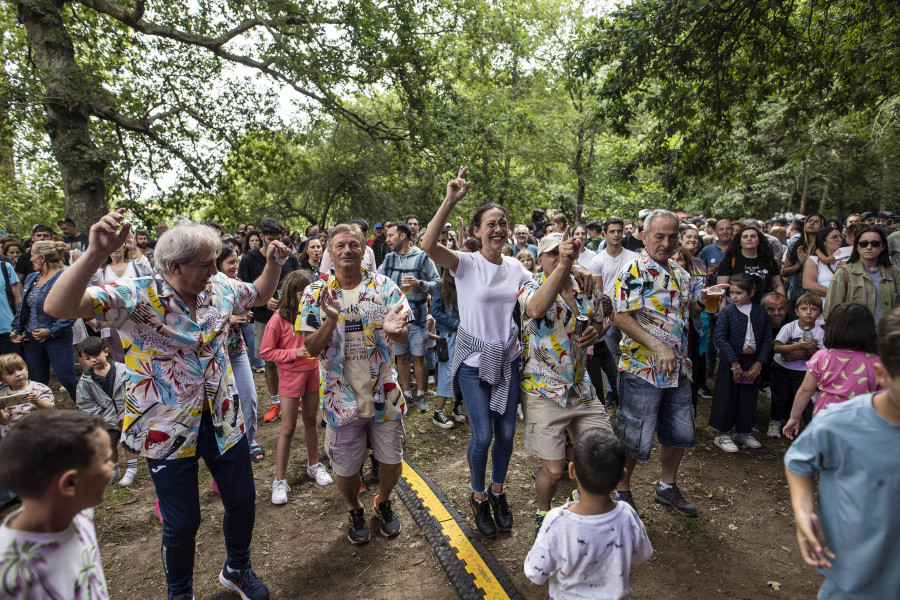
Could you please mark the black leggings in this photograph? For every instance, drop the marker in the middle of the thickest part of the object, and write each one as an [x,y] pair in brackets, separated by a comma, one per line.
[734,404]
[785,383]
[603,362]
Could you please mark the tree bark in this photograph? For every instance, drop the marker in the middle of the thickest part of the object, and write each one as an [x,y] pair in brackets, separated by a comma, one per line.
[67,104]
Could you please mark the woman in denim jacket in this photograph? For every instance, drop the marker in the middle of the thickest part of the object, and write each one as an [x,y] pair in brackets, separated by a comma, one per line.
[47,340]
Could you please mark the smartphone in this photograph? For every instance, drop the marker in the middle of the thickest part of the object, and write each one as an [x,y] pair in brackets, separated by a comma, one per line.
[14,399]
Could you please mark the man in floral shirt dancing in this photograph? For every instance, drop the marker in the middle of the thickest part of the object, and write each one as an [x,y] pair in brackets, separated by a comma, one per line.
[181,400]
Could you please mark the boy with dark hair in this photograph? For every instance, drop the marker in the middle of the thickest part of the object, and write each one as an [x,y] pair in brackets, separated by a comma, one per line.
[101,392]
[58,463]
[795,343]
[851,536]
[586,548]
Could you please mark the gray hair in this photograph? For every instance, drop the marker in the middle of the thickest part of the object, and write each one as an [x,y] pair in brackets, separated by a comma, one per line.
[187,244]
[657,213]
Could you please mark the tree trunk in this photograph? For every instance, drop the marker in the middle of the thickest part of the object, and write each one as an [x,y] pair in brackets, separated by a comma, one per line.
[802,210]
[66,102]
[824,200]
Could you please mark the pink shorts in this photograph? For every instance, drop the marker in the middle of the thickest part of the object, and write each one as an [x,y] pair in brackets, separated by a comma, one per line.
[294,384]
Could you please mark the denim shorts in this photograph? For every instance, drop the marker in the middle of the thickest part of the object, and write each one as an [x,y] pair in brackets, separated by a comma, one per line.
[416,343]
[645,408]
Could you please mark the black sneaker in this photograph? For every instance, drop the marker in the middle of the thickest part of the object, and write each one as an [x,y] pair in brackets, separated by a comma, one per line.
[502,512]
[440,419]
[245,583]
[358,532]
[484,522]
[674,499]
[704,391]
[611,401]
[390,524]
[457,413]
[627,498]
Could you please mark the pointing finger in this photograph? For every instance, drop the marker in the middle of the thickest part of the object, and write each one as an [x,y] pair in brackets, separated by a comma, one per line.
[566,233]
[462,172]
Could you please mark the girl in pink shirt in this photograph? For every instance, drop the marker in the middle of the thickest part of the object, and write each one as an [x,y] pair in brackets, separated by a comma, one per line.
[298,382]
[844,369]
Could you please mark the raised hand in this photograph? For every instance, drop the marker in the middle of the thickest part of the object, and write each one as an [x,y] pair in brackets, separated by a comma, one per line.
[568,250]
[394,322]
[458,188]
[330,305]
[277,253]
[109,233]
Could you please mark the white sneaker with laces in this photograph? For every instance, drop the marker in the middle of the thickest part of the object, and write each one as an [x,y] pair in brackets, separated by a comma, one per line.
[725,442]
[280,488]
[746,439]
[128,478]
[318,472]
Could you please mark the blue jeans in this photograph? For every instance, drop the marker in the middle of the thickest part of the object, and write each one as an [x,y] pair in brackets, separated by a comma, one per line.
[252,351]
[59,353]
[486,425]
[645,408]
[243,379]
[179,502]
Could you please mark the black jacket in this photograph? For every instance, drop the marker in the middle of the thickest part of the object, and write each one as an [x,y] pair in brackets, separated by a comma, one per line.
[252,265]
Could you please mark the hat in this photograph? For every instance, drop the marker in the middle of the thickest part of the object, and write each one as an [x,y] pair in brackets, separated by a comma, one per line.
[866,215]
[448,226]
[377,226]
[697,220]
[549,242]
[65,221]
[645,212]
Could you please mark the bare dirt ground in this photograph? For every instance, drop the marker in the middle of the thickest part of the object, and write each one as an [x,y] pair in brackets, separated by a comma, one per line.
[741,546]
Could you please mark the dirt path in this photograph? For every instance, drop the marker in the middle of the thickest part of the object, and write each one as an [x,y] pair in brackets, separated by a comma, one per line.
[743,540]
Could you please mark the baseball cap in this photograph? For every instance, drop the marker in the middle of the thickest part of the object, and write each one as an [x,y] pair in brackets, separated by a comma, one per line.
[549,242]
[65,221]
[377,226]
[645,212]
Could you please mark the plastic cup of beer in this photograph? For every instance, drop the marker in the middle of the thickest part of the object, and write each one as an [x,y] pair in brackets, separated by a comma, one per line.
[713,297]
[407,285]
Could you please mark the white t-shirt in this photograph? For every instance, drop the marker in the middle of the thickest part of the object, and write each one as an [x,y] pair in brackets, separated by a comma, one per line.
[793,333]
[608,267]
[356,355]
[825,272]
[749,338]
[588,556]
[487,296]
[585,258]
[65,564]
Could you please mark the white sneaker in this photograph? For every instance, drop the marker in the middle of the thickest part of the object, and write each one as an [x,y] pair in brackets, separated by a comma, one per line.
[746,439]
[280,488]
[725,442]
[519,412]
[774,429]
[128,478]
[318,472]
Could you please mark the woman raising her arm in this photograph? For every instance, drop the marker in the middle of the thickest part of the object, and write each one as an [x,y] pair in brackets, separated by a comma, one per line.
[486,360]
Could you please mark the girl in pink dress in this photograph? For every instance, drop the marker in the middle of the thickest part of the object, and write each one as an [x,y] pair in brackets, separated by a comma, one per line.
[844,369]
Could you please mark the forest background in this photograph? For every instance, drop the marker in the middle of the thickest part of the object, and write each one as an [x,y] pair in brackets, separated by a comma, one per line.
[316,111]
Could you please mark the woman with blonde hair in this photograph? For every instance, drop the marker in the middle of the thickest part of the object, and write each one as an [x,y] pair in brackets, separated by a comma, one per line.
[47,340]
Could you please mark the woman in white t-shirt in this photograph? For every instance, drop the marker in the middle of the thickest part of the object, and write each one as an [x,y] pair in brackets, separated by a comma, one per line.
[817,273]
[486,359]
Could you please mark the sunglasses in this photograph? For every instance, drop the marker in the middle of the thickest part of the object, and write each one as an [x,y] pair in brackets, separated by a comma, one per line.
[873,243]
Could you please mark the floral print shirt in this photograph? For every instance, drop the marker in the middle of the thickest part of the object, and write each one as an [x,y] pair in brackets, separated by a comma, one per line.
[552,361]
[660,305]
[65,565]
[176,368]
[378,296]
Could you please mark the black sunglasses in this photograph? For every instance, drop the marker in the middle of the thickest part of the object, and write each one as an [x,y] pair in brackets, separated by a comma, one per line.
[874,243]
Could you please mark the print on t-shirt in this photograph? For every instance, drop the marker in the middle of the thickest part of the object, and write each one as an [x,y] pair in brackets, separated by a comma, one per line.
[355,348]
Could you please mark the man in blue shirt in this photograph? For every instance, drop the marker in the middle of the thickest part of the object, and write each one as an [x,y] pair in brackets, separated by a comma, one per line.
[521,235]
[713,254]
[10,298]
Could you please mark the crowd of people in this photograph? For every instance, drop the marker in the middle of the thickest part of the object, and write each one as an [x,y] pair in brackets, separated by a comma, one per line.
[597,336]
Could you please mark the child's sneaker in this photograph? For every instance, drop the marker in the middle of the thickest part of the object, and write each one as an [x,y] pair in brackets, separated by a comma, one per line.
[272,413]
[539,520]
[746,439]
[280,488]
[244,582]
[318,472]
[725,442]
[627,498]
[128,478]
[774,429]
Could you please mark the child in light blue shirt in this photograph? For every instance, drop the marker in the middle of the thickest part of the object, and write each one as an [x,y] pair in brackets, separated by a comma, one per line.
[851,535]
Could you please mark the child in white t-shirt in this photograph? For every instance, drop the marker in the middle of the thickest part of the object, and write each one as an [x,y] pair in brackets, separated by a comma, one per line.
[586,548]
[59,463]
[19,395]
[791,354]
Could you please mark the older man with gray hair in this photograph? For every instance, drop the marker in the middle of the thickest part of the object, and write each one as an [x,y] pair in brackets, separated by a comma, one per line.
[653,302]
[181,399]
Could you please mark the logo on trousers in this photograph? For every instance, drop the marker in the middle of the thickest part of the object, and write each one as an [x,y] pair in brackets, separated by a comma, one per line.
[158,469]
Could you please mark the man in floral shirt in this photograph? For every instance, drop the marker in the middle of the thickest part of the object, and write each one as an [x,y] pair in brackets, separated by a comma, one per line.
[181,401]
[653,303]
[349,320]
[557,394]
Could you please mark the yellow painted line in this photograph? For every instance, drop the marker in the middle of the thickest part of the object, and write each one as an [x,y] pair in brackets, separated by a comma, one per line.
[475,565]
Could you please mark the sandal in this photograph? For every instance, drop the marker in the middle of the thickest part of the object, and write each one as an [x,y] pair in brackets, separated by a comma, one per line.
[258,455]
